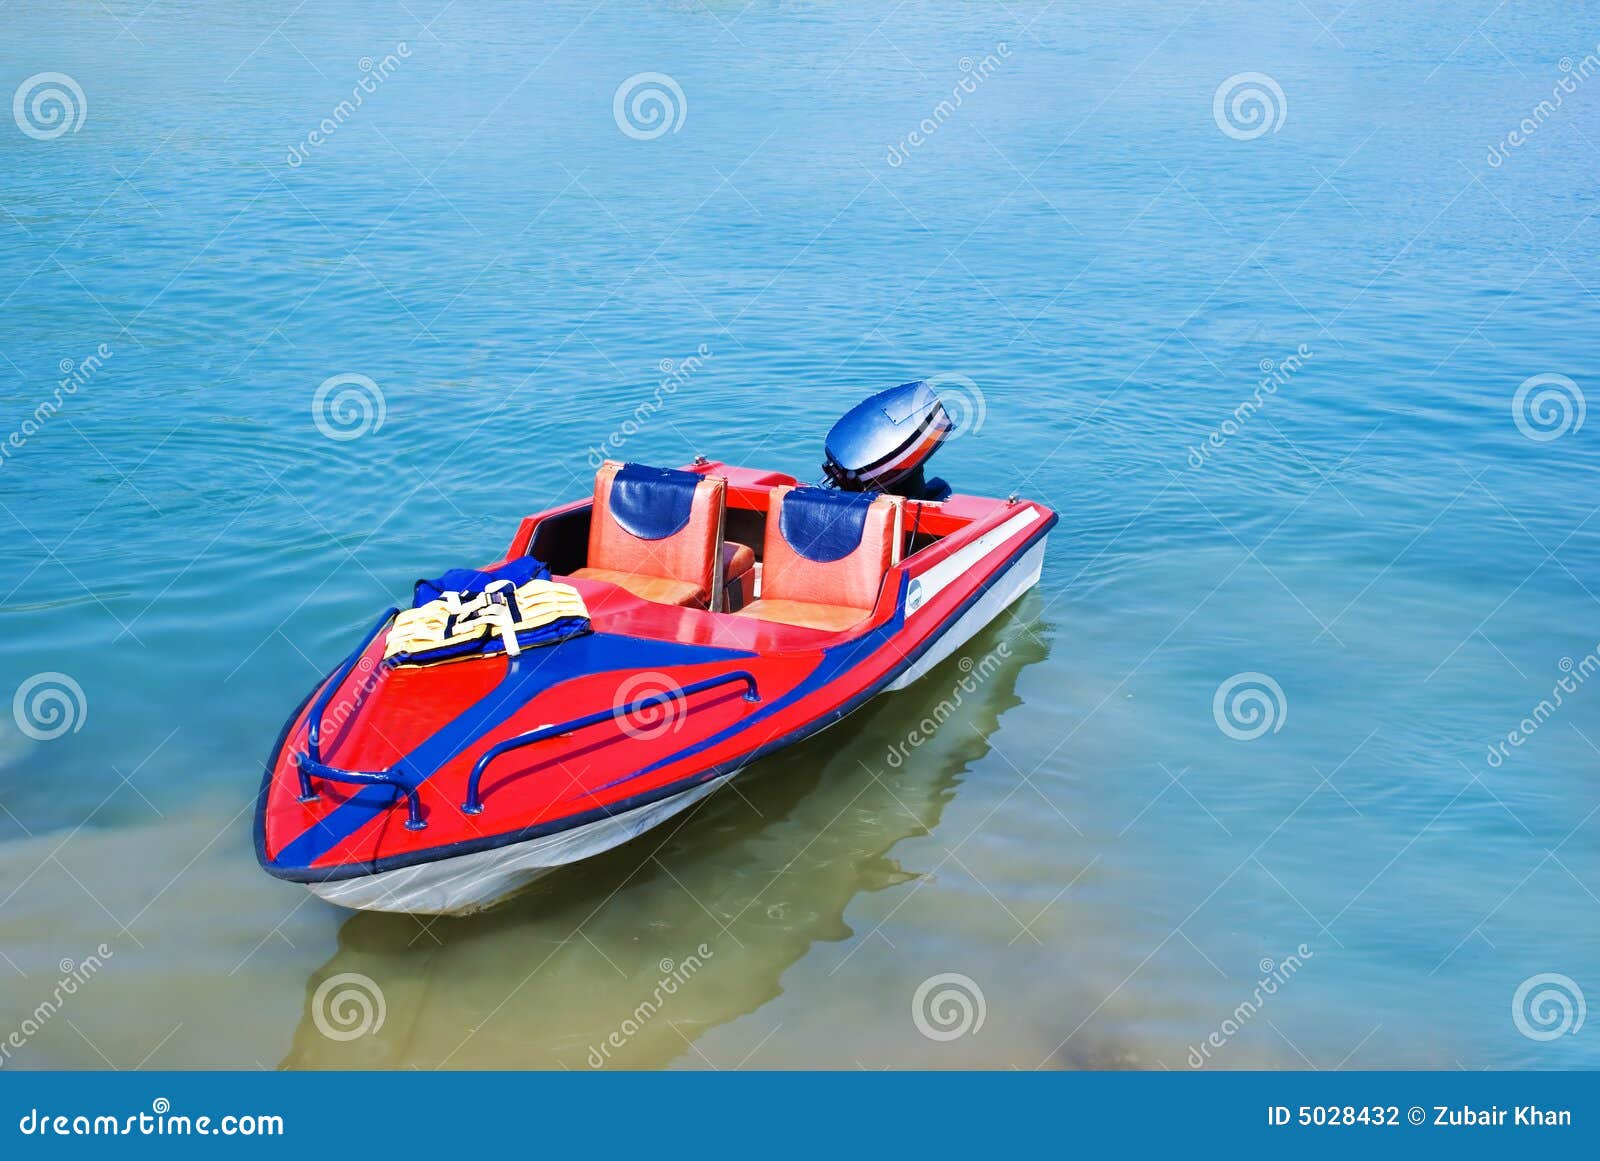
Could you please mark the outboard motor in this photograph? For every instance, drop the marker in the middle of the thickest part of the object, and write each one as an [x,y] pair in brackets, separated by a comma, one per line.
[882,443]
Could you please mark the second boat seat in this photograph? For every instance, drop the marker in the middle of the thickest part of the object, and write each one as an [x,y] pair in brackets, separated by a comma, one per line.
[825,556]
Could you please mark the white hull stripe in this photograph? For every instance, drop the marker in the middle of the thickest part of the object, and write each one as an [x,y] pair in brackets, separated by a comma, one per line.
[925,586]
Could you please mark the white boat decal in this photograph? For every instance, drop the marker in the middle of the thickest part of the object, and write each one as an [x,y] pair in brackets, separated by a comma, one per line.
[930,584]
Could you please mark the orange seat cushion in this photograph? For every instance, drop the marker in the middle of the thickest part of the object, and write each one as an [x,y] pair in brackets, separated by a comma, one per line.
[738,576]
[851,581]
[678,568]
[737,559]
[806,614]
[662,590]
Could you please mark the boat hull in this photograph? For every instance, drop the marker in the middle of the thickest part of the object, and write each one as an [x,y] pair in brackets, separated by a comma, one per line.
[471,882]
[461,884]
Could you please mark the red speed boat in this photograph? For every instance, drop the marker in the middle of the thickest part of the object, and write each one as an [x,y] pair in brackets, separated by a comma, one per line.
[631,653]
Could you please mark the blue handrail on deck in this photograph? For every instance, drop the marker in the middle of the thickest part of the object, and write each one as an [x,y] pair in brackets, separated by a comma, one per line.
[311,767]
[310,763]
[474,803]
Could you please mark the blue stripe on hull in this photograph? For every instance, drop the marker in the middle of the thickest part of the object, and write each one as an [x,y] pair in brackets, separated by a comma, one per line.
[526,677]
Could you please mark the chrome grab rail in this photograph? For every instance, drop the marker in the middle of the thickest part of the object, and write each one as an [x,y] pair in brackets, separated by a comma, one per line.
[474,802]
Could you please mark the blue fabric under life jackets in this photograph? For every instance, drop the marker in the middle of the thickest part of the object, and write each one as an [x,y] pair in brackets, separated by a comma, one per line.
[469,582]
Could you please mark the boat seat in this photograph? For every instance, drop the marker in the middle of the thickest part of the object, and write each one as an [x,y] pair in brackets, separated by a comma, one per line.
[657,532]
[657,589]
[738,575]
[824,556]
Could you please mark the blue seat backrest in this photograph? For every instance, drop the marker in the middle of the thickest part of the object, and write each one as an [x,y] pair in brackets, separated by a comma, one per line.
[652,503]
[824,525]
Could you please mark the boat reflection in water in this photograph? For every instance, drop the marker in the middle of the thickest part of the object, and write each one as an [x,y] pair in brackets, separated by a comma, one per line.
[624,960]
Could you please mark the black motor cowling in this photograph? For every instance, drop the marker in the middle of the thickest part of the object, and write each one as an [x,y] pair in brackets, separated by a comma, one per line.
[882,443]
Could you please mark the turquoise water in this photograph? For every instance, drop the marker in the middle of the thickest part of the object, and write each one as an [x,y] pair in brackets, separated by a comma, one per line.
[1108,272]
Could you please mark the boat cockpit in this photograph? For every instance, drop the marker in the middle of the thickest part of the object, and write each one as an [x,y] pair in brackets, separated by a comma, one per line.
[760,545]
[757,545]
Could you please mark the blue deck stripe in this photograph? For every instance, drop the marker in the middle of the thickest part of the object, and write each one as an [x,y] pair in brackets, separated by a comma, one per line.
[526,677]
[834,662]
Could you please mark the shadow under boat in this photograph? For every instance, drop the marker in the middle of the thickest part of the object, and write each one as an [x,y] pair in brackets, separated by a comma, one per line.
[623,960]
